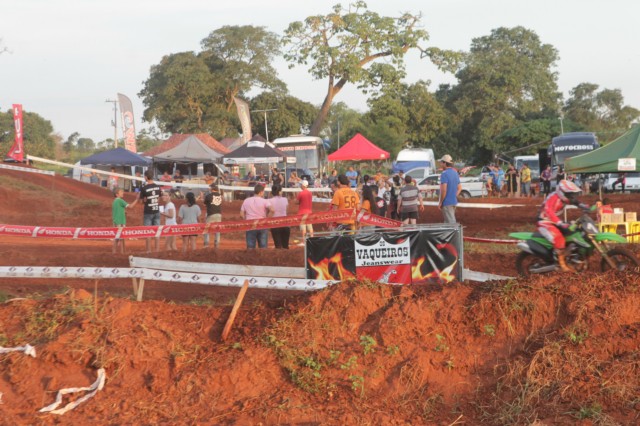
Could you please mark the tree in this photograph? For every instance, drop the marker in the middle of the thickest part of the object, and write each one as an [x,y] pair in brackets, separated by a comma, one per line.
[507,80]
[343,47]
[179,95]
[602,112]
[344,123]
[241,58]
[38,136]
[70,142]
[291,116]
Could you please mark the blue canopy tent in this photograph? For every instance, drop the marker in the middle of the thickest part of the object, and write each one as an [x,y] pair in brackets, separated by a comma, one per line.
[123,160]
[116,157]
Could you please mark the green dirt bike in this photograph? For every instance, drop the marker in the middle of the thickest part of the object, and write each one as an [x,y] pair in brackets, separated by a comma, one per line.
[583,239]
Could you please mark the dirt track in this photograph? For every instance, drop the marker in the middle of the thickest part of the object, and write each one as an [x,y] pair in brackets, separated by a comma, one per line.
[555,349]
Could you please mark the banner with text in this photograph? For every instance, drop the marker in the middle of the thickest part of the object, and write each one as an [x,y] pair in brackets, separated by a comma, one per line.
[421,255]
[128,125]
[17,150]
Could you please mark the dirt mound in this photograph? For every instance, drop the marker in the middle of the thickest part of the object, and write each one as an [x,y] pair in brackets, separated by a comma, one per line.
[356,353]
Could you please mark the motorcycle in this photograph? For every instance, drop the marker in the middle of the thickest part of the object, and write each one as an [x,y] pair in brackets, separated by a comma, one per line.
[583,240]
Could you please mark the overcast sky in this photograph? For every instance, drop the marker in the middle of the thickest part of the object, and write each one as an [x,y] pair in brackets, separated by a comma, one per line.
[68,56]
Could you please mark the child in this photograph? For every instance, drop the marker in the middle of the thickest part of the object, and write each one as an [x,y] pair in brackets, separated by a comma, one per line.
[603,207]
[189,214]
[169,212]
[119,217]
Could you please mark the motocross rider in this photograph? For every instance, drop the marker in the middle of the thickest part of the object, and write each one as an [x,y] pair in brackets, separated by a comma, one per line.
[550,225]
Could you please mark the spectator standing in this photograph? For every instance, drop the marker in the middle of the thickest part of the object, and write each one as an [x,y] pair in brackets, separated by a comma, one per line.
[94,179]
[369,203]
[112,181]
[150,195]
[213,203]
[280,235]
[276,177]
[561,175]
[525,180]
[393,198]
[409,201]
[208,179]
[170,218]
[381,203]
[345,198]
[119,217]
[305,206]
[256,207]
[352,175]
[450,188]
[545,178]
[622,181]
[512,181]
[188,215]
[136,184]
[333,177]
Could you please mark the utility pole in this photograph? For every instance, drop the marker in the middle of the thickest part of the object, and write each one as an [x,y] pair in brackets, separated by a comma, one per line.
[266,129]
[114,123]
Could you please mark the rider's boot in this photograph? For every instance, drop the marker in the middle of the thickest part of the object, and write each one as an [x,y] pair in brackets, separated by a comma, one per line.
[562,261]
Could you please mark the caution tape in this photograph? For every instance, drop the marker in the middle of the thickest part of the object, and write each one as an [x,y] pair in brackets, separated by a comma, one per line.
[196,228]
[93,389]
[489,240]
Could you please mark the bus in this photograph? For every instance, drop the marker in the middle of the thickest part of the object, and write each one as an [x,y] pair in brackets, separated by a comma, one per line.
[306,154]
[569,145]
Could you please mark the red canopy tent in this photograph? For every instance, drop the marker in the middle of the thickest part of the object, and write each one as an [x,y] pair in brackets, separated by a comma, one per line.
[359,148]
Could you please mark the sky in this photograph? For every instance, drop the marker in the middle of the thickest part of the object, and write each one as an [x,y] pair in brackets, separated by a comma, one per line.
[67,57]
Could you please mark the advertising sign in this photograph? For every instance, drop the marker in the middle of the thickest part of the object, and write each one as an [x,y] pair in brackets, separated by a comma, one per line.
[424,254]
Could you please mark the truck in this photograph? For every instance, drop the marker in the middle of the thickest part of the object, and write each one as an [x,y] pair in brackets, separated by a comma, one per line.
[416,162]
[569,145]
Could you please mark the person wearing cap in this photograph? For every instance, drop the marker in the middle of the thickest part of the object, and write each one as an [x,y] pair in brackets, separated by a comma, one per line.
[304,200]
[450,188]
[213,202]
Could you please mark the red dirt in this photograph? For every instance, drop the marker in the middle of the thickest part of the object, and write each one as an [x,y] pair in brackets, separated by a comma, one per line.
[555,349]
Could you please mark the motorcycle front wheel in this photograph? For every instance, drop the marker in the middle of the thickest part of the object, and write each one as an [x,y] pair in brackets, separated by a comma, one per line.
[527,263]
[623,259]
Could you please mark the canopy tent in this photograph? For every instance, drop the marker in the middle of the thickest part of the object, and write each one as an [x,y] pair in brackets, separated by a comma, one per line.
[191,150]
[620,155]
[254,152]
[359,148]
[116,157]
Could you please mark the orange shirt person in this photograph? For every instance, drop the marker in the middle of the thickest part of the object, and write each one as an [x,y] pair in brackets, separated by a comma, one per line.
[345,198]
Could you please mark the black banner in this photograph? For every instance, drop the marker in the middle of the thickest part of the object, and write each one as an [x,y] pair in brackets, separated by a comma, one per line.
[422,255]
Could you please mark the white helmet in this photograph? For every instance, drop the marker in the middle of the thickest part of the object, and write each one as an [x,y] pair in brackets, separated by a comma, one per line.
[567,190]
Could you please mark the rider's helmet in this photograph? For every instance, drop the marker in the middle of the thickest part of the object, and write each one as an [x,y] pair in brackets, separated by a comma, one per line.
[567,190]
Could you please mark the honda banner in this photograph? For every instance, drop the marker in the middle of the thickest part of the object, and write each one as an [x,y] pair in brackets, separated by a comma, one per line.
[128,126]
[245,118]
[424,254]
[17,150]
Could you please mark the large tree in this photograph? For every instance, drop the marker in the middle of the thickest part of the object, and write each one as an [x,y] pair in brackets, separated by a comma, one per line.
[291,116]
[507,80]
[344,46]
[601,111]
[241,59]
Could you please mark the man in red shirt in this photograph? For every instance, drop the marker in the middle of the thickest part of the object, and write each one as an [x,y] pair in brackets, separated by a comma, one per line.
[305,200]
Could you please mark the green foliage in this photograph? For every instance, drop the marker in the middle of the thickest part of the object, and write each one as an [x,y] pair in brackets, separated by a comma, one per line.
[357,383]
[38,136]
[601,111]
[351,363]
[507,80]
[393,350]
[576,335]
[441,344]
[593,411]
[345,46]
[291,116]
[368,343]
[489,330]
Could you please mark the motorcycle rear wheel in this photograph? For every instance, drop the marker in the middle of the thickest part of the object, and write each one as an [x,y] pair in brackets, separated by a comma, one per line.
[527,261]
[624,260]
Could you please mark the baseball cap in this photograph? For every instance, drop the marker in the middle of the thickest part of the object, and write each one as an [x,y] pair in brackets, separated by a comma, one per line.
[304,182]
[446,158]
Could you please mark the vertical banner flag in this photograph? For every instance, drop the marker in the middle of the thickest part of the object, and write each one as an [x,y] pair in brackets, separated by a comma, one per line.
[245,119]
[128,127]
[17,150]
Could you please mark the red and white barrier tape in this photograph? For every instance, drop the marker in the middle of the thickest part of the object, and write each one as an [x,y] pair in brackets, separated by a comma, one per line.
[198,228]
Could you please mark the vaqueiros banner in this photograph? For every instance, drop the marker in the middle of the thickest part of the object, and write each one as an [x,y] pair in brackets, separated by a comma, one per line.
[244,116]
[128,125]
[17,150]
[426,254]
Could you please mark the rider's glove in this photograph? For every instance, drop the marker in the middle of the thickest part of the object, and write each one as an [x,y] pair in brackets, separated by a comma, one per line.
[562,225]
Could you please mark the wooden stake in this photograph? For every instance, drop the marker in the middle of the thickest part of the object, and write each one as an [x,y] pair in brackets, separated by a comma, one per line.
[140,289]
[134,280]
[234,311]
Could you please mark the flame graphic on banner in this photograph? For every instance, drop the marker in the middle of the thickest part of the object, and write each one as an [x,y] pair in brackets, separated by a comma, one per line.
[322,268]
[444,275]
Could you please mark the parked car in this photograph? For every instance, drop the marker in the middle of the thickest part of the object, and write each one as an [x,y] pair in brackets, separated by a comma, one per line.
[471,186]
[632,182]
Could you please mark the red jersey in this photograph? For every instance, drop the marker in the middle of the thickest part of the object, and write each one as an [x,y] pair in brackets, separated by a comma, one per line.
[305,198]
[551,207]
